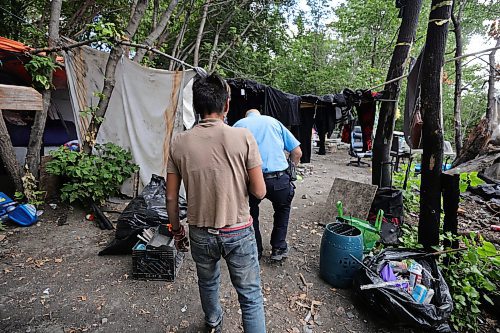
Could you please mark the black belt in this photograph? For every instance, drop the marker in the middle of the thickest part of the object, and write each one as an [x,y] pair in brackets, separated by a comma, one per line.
[275,174]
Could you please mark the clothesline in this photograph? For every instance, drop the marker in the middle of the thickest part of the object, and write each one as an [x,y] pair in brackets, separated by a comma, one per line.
[448,60]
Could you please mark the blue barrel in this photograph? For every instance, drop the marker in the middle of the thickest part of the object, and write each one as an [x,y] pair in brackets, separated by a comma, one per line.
[339,241]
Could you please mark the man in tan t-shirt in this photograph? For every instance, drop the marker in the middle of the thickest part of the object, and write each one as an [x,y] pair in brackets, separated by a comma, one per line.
[219,165]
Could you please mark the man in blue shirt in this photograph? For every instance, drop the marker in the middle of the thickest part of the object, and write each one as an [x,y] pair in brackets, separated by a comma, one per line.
[273,139]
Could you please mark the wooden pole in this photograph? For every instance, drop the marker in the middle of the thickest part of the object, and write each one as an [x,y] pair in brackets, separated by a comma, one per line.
[432,130]
[381,171]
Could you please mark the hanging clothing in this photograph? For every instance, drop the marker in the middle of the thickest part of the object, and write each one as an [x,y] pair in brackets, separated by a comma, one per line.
[282,106]
[247,94]
[413,123]
[366,117]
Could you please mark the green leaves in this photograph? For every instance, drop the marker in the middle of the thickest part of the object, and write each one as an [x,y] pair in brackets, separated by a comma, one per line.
[471,275]
[469,179]
[91,177]
[41,69]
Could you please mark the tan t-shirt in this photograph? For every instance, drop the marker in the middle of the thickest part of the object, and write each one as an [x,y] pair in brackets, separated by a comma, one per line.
[212,159]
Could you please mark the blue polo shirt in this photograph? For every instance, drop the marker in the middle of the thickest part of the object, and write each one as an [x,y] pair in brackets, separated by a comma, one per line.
[273,139]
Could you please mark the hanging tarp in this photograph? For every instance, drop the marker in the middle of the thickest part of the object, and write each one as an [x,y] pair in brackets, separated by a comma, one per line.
[141,115]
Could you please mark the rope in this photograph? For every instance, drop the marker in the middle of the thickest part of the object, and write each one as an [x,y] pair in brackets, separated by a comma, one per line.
[440,22]
[442,4]
[448,60]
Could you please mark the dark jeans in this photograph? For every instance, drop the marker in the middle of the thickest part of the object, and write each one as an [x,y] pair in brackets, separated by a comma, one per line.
[280,192]
[239,250]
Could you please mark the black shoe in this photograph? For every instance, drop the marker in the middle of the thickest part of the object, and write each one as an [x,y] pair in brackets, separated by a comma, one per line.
[279,254]
[216,329]
[259,255]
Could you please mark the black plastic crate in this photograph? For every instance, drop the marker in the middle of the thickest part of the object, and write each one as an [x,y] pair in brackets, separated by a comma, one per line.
[156,264]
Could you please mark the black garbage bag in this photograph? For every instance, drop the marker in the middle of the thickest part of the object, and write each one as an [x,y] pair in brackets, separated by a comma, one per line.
[397,305]
[146,210]
[390,200]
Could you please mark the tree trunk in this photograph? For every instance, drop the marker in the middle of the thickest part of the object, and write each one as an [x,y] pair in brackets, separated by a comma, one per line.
[200,34]
[156,8]
[153,36]
[457,100]
[36,135]
[235,39]
[214,50]
[9,156]
[109,76]
[164,35]
[180,36]
[491,83]
[75,21]
[381,169]
[432,130]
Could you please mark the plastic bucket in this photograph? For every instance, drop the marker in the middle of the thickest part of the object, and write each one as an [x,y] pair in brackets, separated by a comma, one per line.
[339,241]
[371,233]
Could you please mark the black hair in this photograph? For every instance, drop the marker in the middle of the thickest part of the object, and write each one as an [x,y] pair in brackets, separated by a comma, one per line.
[210,94]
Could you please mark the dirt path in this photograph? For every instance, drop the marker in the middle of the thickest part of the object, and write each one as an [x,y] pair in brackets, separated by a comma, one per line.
[51,279]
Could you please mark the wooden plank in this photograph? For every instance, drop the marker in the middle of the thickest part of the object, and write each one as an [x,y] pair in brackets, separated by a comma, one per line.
[20,98]
[356,198]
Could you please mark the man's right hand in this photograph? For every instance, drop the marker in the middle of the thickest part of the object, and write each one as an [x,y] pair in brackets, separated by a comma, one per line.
[181,240]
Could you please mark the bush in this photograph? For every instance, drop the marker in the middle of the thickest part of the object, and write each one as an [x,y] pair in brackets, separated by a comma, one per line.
[471,275]
[91,177]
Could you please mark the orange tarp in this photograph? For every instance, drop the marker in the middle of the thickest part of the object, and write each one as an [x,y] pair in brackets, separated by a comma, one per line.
[12,46]
[15,65]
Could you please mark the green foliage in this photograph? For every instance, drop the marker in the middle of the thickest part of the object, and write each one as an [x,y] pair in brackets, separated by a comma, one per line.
[469,179]
[41,69]
[91,177]
[411,196]
[472,274]
[104,31]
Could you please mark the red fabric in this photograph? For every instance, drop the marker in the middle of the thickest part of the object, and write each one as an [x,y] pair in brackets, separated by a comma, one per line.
[366,117]
[346,134]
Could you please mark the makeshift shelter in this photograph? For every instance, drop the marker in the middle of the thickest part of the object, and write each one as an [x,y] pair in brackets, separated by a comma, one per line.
[60,126]
[142,110]
[146,106]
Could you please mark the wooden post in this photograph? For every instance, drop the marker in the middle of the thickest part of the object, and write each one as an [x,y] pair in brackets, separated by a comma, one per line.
[385,128]
[432,130]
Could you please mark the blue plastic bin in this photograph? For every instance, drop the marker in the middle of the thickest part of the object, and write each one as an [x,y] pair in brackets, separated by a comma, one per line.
[4,200]
[24,215]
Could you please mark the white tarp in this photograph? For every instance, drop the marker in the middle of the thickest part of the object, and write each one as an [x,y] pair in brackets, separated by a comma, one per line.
[145,108]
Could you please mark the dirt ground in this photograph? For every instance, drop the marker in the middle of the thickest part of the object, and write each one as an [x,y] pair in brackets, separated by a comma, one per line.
[51,279]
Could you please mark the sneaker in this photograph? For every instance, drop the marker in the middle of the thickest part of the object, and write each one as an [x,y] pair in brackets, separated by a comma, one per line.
[216,329]
[279,254]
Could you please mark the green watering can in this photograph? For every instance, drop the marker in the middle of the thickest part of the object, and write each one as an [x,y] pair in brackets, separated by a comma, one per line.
[371,234]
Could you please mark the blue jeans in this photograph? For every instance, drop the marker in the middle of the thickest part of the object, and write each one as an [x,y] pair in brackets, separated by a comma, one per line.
[239,249]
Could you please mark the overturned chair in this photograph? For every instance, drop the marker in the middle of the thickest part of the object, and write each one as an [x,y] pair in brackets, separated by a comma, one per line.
[356,148]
